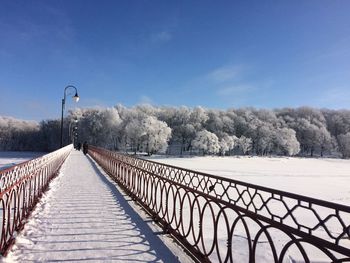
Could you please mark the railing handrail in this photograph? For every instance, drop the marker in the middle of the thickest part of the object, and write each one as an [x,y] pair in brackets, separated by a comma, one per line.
[143,168]
[322,202]
[12,169]
[305,198]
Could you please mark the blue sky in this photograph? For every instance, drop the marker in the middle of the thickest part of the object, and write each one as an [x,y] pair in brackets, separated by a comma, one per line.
[216,54]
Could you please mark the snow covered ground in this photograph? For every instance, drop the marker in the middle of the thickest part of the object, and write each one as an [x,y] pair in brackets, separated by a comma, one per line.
[8,159]
[322,178]
[83,217]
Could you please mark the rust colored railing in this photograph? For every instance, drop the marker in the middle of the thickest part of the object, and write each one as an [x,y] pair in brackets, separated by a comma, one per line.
[222,220]
[21,186]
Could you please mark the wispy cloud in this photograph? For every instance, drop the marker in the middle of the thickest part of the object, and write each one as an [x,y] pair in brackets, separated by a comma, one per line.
[225,73]
[222,81]
[236,90]
[230,80]
[161,37]
[230,85]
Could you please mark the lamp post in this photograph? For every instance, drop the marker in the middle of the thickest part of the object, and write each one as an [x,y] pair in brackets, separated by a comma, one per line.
[75,97]
[72,130]
[75,137]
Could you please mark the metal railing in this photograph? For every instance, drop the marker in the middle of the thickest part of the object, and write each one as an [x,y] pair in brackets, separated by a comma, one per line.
[21,186]
[222,220]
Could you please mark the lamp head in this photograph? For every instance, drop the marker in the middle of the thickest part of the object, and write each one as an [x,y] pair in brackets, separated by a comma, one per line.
[76,97]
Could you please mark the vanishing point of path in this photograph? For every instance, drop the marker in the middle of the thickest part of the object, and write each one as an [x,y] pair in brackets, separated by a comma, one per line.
[84,217]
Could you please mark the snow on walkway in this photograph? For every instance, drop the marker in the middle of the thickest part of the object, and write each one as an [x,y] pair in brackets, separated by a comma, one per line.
[83,217]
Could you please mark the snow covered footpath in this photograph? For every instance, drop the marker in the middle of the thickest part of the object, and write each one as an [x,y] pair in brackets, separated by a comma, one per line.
[83,217]
[322,178]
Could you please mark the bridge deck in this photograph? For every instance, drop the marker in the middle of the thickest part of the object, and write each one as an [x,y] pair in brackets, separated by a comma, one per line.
[84,217]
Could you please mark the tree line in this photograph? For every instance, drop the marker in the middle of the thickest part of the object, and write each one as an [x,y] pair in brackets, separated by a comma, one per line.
[300,131]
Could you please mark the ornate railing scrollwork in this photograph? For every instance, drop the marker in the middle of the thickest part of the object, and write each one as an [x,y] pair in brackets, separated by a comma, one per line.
[222,220]
[21,186]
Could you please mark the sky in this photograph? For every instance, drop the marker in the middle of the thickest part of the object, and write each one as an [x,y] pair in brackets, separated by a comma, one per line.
[215,54]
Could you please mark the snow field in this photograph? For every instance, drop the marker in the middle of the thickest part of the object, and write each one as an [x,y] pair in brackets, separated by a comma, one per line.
[83,217]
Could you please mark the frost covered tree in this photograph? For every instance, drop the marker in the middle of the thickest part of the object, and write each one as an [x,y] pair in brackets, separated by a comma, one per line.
[280,131]
[198,117]
[156,135]
[227,143]
[207,142]
[287,142]
[135,131]
[97,126]
[18,134]
[310,126]
[338,121]
[184,124]
[324,140]
[344,144]
[143,132]
[214,122]
[49,135]
[245,144]
[264,139]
